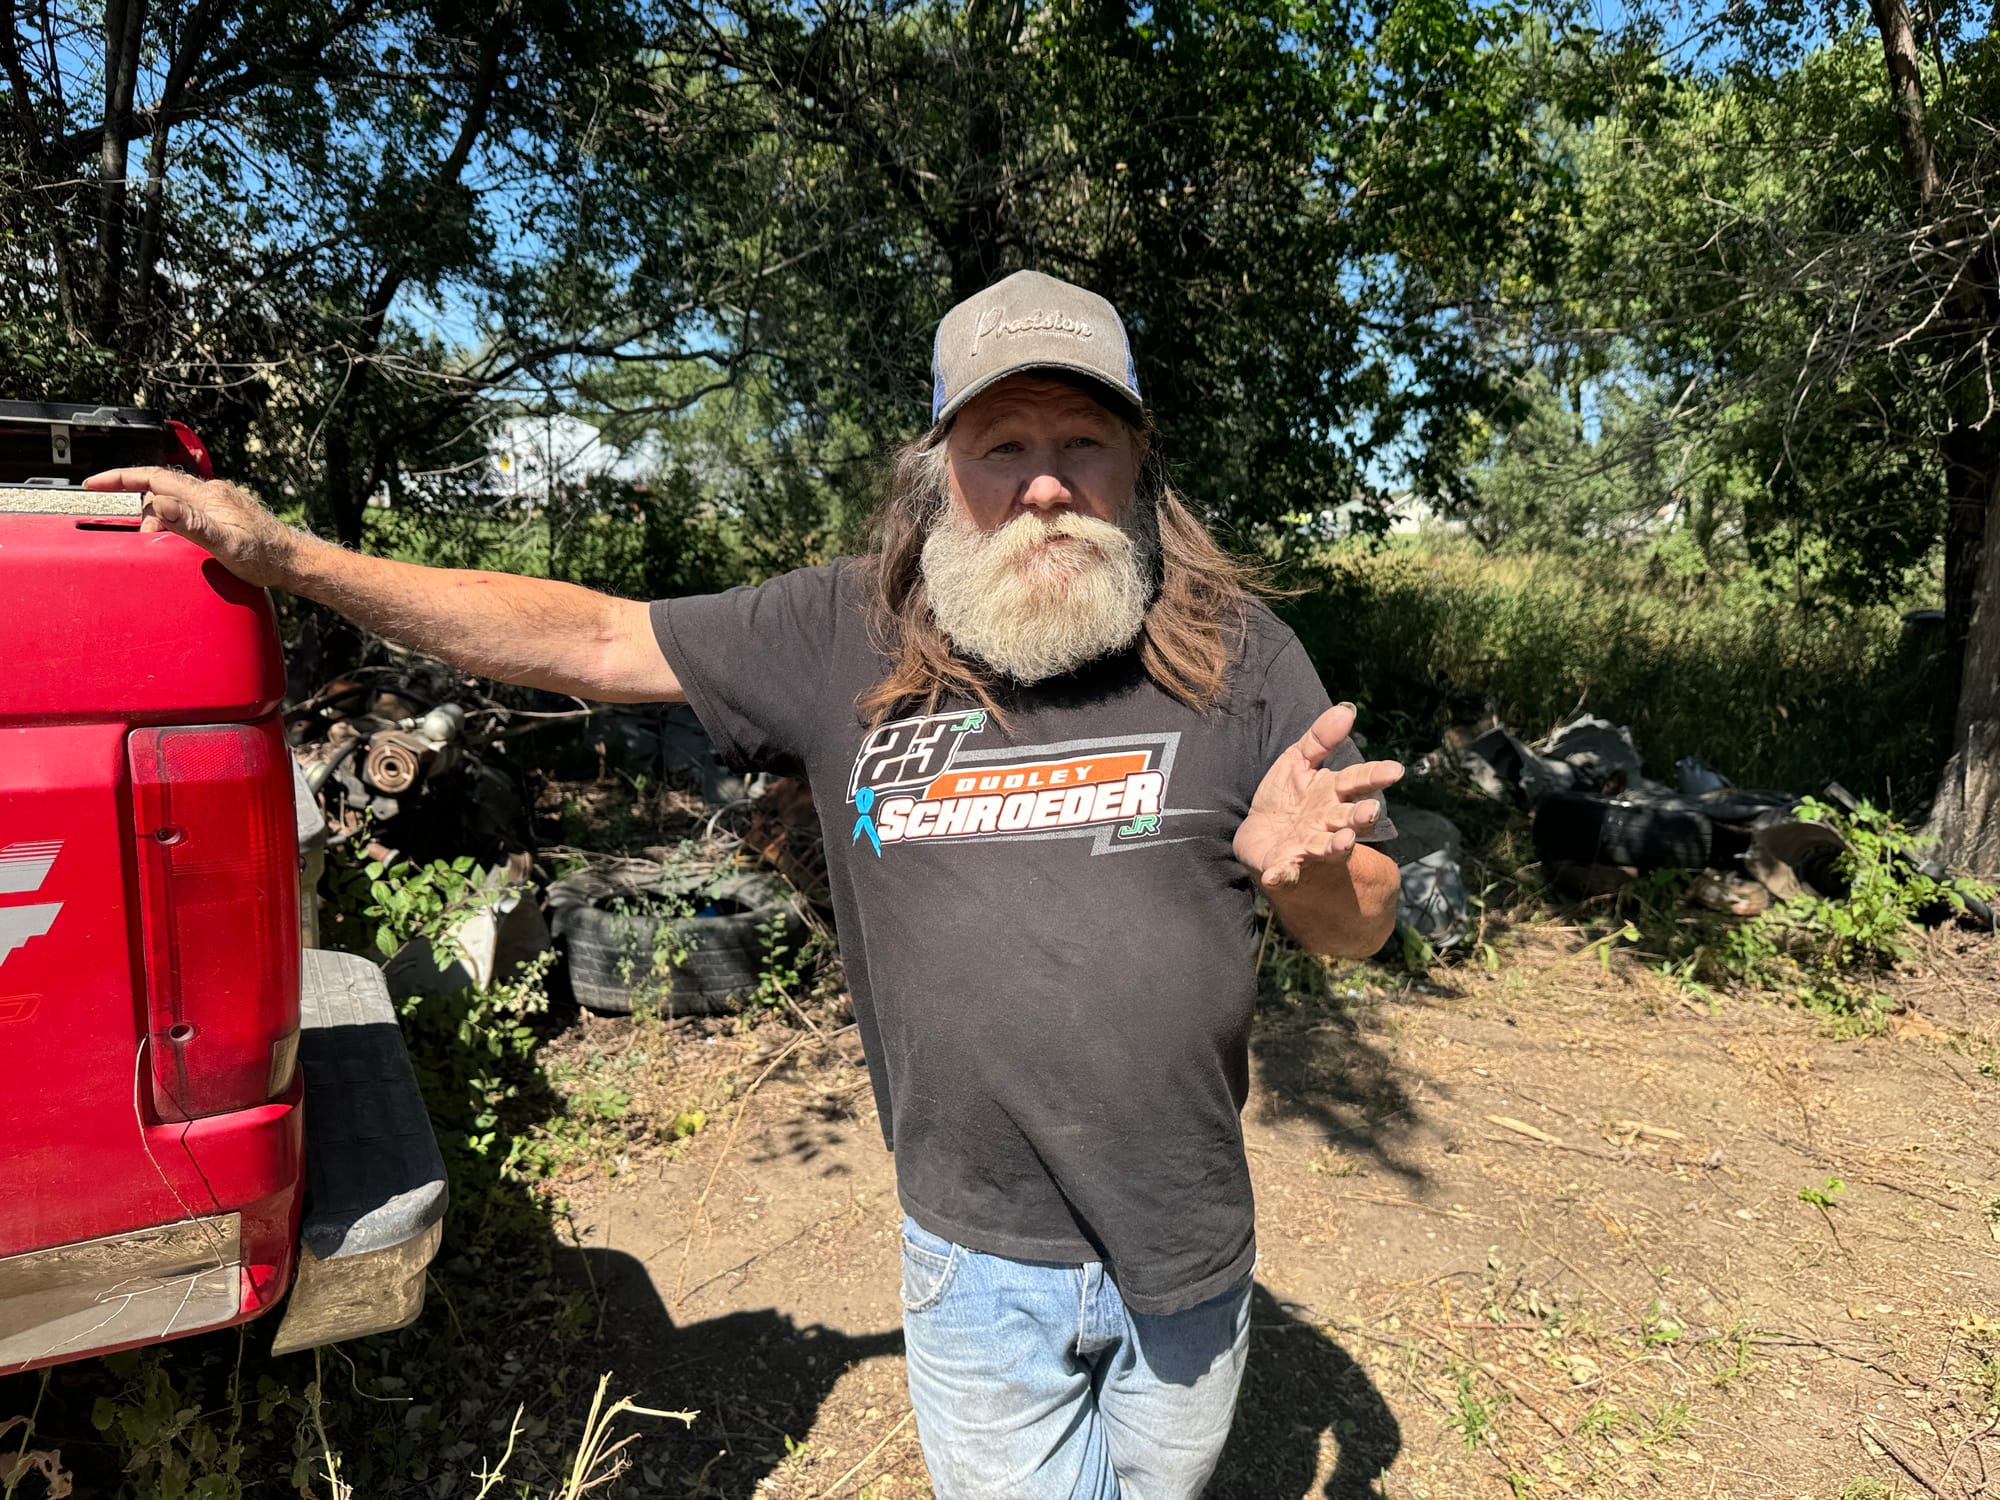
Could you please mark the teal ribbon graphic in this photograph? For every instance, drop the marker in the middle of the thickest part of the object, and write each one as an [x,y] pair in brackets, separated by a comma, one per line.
[864,803]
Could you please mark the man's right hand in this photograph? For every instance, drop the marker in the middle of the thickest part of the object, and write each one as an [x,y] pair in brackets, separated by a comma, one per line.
[214,514]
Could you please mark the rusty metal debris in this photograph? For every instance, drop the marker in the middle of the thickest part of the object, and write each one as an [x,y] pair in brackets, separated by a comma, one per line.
[407,757]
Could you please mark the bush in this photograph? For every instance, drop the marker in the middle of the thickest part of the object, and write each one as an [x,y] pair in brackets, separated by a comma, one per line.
[1773,692]
[1817,944]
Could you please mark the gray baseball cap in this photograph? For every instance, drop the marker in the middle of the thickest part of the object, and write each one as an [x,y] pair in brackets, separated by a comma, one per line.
[1032,322]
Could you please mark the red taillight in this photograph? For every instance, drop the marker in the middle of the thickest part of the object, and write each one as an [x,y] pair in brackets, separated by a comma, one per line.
[195,449]
[218,886]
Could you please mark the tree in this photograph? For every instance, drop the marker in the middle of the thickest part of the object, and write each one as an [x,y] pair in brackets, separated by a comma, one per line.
[1789,221]
[1241,181]
[357,223]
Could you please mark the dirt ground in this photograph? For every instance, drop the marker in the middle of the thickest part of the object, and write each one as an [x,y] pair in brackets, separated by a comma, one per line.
[1537,1232]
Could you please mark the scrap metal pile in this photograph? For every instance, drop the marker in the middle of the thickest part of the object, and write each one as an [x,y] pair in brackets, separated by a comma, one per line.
[404,756]
[1599,823]
[408,762]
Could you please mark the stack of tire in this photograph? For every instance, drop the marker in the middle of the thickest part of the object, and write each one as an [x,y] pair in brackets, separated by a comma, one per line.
[1582,835]
[608,923]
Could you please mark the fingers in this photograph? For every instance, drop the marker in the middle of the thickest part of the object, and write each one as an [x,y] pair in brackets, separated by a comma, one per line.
[1352,783]
[1327,846]
[1328,826]
[154,481]
[1325,733]
[1362,816]
[1331,815]
[168,510]
[166,493]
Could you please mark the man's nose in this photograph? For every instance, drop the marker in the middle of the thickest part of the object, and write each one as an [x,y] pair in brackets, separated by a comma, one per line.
[1046,491]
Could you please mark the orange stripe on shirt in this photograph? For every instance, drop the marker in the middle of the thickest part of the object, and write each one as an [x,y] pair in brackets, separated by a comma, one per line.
[1081,770]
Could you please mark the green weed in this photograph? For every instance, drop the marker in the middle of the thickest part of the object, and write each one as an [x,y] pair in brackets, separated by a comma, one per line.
[1664,1421]
[1821,947]
[1331,1161]
[1603,1417]
[1473,1413]
[1658,1328]
[374,908]
[1984,1383]
[1735,1361]
[653,944]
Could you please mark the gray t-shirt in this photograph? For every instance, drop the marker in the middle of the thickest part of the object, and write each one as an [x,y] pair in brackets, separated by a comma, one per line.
[1047,936]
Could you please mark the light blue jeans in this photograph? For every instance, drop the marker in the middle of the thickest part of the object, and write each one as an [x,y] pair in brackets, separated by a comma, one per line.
[1033,1381]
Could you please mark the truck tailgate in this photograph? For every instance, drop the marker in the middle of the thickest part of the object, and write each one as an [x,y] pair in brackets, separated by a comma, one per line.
[73,1151]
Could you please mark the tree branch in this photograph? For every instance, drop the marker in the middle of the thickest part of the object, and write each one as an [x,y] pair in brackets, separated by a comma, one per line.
[1906,90]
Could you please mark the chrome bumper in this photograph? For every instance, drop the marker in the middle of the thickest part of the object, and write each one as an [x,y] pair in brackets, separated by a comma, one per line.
[375,1183]
[141,1286]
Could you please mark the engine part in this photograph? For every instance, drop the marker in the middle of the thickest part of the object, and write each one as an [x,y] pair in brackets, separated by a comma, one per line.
[395,760]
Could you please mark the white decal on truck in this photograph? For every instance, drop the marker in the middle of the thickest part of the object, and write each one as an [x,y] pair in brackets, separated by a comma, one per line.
[23,868]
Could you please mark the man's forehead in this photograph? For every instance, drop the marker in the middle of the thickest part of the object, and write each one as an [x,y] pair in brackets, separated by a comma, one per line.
[1034,397]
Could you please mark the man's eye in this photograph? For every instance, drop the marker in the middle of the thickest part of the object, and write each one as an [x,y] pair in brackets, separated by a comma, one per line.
[1085,442]
[1003,448]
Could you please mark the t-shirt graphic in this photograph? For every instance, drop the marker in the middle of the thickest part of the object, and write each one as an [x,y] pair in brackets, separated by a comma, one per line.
[934,779]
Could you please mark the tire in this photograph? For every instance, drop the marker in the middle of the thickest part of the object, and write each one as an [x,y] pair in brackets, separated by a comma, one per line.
[611,952]
[1579,829]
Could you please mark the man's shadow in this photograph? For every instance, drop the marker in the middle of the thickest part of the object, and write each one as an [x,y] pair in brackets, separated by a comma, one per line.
[1323,1068]
[756,1379]
[1299,1386]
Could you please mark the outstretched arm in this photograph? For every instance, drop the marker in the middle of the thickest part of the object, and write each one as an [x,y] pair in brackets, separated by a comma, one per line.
[531,631]
[1335,895]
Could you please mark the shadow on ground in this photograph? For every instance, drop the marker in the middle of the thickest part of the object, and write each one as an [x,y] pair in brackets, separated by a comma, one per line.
[757,1378]
[1299,1387]
[1322,1068]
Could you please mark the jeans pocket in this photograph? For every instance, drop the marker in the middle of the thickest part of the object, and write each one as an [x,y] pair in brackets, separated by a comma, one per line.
[927,1272]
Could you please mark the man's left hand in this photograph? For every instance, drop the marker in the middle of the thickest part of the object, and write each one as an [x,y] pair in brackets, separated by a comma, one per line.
[1305,816]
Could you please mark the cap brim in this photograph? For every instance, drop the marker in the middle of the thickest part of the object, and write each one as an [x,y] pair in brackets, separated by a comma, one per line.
[1113,396]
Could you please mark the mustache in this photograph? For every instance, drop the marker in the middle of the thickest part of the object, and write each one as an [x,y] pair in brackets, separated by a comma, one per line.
[1027,531]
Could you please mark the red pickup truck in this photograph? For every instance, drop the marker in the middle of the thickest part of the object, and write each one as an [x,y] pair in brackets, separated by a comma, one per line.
[199,1110]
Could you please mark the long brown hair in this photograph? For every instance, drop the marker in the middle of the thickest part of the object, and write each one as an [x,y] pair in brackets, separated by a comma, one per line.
[1193,626]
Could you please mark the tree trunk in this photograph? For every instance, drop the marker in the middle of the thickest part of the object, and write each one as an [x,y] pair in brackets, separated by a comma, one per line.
[345,504]
[1965,815]
[123,22]
[1906,89]
[1968,467]
[1966,819]
[153,208]
[979,219]
[145,259]
[349,483]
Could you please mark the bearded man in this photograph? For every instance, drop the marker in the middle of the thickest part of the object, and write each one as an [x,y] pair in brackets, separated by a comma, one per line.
[1058,747]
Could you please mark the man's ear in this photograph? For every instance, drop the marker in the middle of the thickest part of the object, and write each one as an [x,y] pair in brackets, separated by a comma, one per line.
[1142,443]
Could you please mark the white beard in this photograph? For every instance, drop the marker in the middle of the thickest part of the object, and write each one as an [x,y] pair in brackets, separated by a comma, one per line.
[1032,610]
